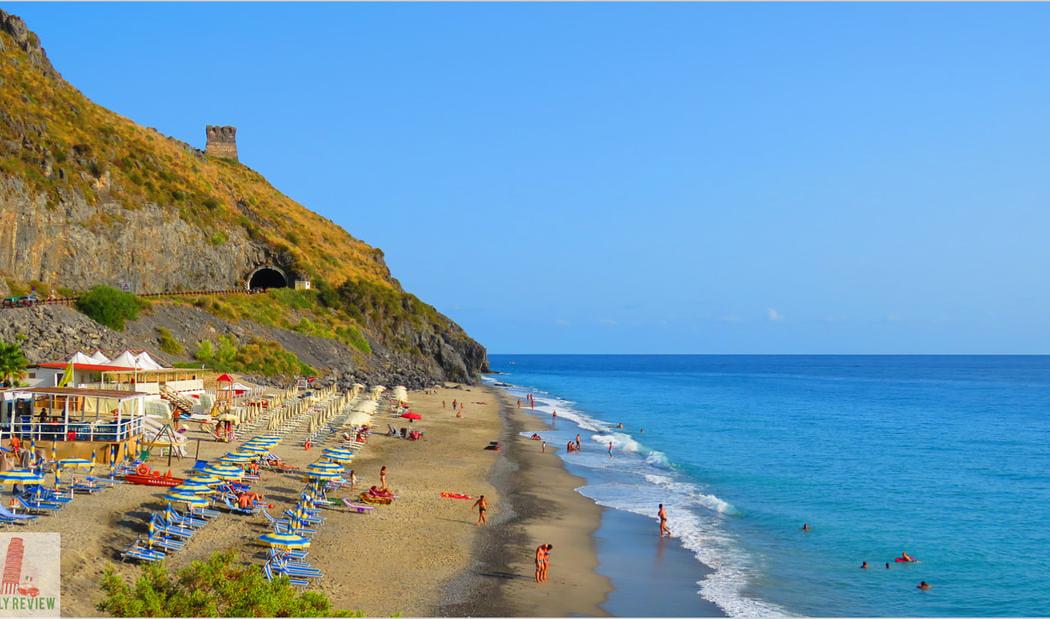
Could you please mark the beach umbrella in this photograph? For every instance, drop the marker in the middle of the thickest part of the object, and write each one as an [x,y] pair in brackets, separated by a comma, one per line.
[75,463]
[255,450]
[269,437]
[224,471]
[236,458]
[20,477]
[411,415]
[195,485]
[324,467]
[186,488]
[192,500]
[211,480]
[334,452]
[321,475]
[285,540]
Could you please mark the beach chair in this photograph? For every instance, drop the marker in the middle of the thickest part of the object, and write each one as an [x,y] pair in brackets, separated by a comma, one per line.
[304,518]
[358,507]
[297,570]
[9,516]
[141,553]
[282,525]
[171,530]
[268,572]
[173,517]
[292,555]
[166,543]
[35,507]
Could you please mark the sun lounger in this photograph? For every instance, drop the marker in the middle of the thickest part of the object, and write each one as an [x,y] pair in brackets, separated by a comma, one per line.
[142,554]
[9,516]
[166,543]
[268,572]
[358,507]
[35,507]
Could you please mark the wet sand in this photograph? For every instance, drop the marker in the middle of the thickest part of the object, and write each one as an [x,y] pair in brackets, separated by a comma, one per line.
[540,505]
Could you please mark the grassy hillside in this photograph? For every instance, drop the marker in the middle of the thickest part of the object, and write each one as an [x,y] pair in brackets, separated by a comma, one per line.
[60,143]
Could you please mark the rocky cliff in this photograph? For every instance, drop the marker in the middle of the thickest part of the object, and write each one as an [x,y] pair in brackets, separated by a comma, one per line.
[88,197]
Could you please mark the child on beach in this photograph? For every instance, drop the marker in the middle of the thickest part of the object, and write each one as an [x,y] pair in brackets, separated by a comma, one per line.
[382,477]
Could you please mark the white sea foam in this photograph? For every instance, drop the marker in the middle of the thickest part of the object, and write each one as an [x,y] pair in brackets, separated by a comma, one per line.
[645,477]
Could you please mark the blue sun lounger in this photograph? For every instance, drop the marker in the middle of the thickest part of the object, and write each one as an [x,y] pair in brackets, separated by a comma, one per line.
[268,572]
[6,515]
[142,554]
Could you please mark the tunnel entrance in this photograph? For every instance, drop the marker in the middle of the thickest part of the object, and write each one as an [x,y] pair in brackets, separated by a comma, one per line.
[267,277]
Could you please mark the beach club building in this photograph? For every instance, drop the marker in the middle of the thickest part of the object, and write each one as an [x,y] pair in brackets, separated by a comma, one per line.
[104,424]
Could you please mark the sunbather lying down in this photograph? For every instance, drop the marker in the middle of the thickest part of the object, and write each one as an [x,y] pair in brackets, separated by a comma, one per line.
[276,463]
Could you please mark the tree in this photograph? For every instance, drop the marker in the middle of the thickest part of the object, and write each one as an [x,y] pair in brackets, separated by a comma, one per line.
[109,306]
[217,587]
[13,363]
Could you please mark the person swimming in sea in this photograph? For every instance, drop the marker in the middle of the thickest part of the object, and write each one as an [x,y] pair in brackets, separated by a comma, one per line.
[906,558]
[805,527]
[924,586]
[864,565]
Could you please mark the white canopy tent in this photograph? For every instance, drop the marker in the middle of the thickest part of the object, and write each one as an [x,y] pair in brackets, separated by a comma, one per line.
[80,357]
[100,358]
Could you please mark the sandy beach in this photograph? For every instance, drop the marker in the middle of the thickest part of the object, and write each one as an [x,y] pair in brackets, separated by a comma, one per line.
[423,555]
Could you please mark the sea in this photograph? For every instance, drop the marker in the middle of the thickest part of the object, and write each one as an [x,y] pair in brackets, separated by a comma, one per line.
[946,458]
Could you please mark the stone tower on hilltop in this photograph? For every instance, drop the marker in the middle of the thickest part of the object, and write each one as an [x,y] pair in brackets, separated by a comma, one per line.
[222,142]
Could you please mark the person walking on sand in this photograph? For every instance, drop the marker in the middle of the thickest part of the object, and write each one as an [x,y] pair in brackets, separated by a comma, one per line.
[664,531]
[482,506]
[382,478]
[543,447]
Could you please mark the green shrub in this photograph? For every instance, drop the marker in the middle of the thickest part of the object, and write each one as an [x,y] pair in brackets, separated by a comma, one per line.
[109,306]
[13,363]
[211,203]
[257,356]
[168,343]
[218,238]
[217,587]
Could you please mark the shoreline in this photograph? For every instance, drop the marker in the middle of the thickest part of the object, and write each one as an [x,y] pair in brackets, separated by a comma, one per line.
[539,505]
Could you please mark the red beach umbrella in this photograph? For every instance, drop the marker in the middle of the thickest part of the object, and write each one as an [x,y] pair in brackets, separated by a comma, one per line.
[411,415]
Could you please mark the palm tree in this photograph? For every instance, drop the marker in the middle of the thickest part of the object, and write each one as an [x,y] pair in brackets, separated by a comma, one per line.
[13,363]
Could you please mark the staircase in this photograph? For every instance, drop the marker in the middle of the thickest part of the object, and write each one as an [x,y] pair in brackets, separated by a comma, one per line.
[178,402]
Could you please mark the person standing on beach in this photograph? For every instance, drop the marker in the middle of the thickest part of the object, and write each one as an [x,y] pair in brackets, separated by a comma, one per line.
[353,479]
[443,404]
[453,404]
[554,414]
[578,445]
[382,478]
[610,449]
[543,447]
[664,531]
[482,506]
[543,560]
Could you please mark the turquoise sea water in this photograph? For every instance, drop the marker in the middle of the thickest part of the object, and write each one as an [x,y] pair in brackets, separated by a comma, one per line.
[947,458]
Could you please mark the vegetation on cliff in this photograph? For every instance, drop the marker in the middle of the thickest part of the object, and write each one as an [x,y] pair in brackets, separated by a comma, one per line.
[13,363]
[109,306]
[60,143]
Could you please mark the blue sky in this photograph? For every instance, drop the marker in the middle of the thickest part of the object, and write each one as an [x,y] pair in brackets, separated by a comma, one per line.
[635,178]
